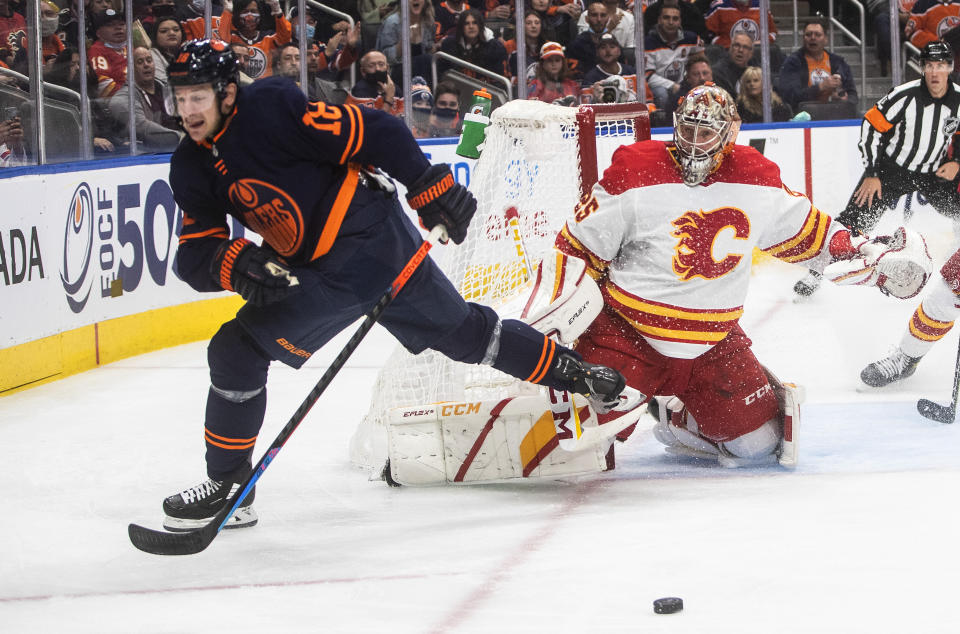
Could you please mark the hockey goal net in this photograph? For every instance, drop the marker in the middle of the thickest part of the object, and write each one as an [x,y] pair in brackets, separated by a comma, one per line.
[538,159]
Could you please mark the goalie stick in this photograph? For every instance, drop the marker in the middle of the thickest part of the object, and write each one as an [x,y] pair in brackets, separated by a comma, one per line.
[943,413]
[191,542]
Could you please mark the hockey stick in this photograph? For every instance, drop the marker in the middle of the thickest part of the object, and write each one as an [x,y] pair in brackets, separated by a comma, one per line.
[943,413]
[188,543]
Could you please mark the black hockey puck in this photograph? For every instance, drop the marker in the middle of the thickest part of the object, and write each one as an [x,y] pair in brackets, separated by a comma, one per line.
[668,605]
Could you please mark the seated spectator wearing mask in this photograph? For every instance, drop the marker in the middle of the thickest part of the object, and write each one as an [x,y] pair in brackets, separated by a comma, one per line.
[445,118]
[375,89]
[421,107]
[157,127]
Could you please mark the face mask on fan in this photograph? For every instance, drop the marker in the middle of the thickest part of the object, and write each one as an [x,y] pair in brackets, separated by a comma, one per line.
[378,77]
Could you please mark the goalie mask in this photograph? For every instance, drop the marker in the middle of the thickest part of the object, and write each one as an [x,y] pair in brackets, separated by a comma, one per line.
[705,126]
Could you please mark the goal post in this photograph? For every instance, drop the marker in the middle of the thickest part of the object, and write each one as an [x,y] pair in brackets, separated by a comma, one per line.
[537,161]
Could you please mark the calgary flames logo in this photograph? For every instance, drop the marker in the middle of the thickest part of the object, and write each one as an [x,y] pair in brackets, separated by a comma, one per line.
[269,211]
[696,232]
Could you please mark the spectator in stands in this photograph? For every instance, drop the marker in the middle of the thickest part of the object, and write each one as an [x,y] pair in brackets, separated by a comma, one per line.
[619,22]
[447,14]
[328,24]
[608,65]
[67,29]
[422,45]
[499,10]
[880,14]
[248,29]
[49,21]
[472,43]
[375,88]
[166,42]
[691,16]
[556,18]
[288,62]
[750,101]
[338,53]
[698,72]
[242,51]
[929,19]
[582,52]
[108,54]
[445,118]
[11,143]
[157,129]
[421,107]
[728,17]
[534,39]
[310,23]
[372,15]
[319,89]
[13,32]
[64,70]
[727,72]
[814,74]
[551,82]
[666,48]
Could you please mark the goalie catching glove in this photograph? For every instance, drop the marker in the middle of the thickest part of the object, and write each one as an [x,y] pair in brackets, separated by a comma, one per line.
[255,273]
[440,200]
[898,264]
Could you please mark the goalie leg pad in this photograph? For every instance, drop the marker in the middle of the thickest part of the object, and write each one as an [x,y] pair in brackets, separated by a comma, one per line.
[521,437]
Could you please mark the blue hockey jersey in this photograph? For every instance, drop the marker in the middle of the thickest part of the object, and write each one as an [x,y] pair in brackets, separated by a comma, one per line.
[285,168]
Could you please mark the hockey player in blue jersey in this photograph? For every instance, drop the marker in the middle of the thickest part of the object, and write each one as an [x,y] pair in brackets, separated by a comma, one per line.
[301,175]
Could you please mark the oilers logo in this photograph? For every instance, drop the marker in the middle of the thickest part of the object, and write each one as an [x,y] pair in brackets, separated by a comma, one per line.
[269,211]
[817,75]
[256,63]
[946,24]
[77,248]
[748,26]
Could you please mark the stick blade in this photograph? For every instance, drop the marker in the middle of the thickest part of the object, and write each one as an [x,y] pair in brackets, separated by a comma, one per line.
[934,411]
[165,543]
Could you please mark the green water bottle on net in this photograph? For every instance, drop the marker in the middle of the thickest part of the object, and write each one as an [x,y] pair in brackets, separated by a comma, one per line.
[475,124]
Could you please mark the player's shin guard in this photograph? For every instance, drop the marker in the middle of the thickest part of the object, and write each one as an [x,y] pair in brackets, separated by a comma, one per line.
[233,421]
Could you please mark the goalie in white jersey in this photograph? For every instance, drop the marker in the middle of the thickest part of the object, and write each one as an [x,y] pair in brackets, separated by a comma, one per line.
[668,234]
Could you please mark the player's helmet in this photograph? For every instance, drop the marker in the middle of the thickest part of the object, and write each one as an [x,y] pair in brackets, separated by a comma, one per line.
[936,52]
[204,62]
[705,126]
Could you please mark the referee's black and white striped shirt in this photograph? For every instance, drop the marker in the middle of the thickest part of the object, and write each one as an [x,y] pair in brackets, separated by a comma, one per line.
[911,128]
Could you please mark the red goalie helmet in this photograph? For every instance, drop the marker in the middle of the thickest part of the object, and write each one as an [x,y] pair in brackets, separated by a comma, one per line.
[705,126]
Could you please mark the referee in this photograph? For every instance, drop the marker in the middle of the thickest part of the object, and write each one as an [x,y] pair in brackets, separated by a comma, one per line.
[904,140]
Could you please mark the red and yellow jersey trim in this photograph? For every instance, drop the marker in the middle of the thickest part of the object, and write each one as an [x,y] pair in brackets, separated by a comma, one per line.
[566,243]
[807,243]
[671,323]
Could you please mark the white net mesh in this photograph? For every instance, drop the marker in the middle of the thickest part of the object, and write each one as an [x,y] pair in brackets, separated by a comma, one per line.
[530,163]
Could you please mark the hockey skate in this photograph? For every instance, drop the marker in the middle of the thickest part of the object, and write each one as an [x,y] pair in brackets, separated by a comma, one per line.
[895,367]
[808,285]
[195,507]
[600,384]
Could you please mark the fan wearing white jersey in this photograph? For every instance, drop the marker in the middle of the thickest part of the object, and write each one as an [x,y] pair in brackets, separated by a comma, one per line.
[668,234]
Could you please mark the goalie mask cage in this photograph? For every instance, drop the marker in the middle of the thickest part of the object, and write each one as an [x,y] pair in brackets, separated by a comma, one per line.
[537,161]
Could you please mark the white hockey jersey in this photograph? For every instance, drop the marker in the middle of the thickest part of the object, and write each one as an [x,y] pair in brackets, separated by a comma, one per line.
[673,260]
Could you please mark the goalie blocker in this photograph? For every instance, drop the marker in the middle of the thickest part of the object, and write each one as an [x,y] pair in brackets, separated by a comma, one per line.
[532,431]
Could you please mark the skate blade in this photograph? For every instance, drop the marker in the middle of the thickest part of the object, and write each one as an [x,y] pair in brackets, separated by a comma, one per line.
[245,517]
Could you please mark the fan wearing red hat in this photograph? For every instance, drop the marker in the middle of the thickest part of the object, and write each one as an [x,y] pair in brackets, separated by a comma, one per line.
[550,82]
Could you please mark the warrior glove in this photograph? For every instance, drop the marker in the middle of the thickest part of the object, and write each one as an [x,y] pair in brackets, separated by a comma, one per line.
[255,273]
[440,200]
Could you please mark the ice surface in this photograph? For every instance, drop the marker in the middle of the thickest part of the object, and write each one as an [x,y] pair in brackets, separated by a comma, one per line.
[860,538]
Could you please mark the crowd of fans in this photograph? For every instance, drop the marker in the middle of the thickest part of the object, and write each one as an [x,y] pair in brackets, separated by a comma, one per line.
[577,51]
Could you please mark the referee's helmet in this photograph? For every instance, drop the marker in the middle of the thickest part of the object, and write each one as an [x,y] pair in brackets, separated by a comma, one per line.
[936,52]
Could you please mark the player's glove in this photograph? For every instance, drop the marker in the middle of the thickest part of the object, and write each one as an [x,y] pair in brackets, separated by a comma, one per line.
[440,200]
[255,273]
[898,264]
